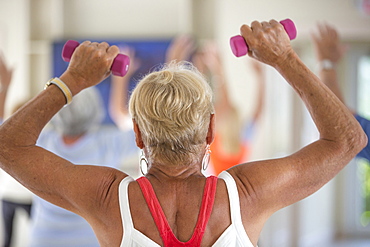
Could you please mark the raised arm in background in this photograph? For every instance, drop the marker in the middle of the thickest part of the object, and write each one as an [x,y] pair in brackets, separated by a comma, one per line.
[5,80]
[329,52]
[210,59]
[119,92]
[180,48]
[234,132]
[261,90]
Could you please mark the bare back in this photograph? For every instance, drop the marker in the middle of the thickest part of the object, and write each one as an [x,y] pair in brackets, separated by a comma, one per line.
[180,201]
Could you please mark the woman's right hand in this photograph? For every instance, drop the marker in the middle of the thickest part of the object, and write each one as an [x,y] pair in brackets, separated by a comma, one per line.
[90,64]
[268,42]
[327,43]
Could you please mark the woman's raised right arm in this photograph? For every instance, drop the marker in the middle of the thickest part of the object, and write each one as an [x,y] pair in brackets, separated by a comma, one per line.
[76,188]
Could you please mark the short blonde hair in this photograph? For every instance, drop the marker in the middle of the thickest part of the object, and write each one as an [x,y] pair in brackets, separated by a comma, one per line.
[172,108]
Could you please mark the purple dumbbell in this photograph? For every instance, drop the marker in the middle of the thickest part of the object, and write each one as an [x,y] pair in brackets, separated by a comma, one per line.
[120,63]
[240,48]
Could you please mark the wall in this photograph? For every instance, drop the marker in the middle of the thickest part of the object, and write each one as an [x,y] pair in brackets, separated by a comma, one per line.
[136,19]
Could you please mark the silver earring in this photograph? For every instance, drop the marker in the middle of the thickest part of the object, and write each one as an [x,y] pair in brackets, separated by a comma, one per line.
[143,160]
[206,158]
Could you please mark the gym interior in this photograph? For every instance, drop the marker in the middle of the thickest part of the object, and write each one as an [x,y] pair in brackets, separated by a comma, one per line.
[339,213]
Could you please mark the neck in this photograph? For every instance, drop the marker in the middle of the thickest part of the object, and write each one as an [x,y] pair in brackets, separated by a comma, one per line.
[171,172]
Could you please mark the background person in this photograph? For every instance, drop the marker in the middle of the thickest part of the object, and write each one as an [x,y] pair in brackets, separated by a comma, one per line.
[329,52]
[173,120]
[14,196]
[234,134]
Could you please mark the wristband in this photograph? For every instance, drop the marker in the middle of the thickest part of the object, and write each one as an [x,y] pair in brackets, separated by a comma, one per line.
[326,64]
[62,86]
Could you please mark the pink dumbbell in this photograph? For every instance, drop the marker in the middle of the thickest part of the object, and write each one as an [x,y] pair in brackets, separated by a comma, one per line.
[120,63]
[240,48]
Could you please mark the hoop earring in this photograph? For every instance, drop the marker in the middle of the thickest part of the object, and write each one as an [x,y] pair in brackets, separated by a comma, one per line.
[143,160]
[206,158]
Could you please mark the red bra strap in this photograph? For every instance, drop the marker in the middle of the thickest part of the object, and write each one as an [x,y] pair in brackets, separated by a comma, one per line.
[154,206]
[168,238]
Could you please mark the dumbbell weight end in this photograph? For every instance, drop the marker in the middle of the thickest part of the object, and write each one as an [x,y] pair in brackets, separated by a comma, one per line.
[240,48]
[119,66]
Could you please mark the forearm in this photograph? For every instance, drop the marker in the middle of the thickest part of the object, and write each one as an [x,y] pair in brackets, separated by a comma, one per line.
[329,78]
[24,127]
[222,91]
[3,93]
[223,103]
[19,155]
[332,118]
[118,101]
[260,97]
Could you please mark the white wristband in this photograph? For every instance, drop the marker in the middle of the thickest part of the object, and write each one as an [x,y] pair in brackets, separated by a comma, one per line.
[326,64]
[62,86]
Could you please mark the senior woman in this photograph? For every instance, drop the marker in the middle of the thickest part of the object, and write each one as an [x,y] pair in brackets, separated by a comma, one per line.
[174,204]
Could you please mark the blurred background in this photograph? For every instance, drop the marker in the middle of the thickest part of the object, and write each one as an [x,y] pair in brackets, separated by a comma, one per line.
[32,31]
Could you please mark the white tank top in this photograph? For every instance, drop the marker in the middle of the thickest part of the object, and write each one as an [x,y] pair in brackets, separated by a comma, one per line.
[234,235]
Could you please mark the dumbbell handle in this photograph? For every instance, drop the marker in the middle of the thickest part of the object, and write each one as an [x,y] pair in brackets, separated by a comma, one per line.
[120,63]
[240,48]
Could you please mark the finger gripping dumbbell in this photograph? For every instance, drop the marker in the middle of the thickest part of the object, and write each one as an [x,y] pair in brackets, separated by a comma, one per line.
[119,66]
[240,48]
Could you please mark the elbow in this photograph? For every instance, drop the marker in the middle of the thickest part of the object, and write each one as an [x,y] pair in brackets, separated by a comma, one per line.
[357,141]
[3,139]
[5,149]
[363,140]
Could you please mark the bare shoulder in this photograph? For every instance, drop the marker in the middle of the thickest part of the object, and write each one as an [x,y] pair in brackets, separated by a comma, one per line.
[106,188]
[104,215]
[269,185]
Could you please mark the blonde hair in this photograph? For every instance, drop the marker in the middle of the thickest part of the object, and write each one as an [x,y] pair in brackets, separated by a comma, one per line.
[172,108]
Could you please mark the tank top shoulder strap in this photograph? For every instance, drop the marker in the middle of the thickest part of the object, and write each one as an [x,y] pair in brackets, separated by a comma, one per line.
[168,238]
[236,218]
[127,223]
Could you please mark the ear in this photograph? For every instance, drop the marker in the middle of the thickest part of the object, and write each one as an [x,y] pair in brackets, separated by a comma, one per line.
[211,130]
[139,140]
